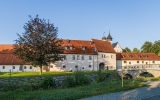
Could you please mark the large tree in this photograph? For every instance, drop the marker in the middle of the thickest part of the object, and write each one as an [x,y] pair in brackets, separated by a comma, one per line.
[38,44]
[156,47]
[147,47]
[135,50]
[126,50]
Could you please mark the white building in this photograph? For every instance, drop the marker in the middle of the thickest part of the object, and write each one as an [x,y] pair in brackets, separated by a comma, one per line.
[79,55]
[137,60]
[117,47]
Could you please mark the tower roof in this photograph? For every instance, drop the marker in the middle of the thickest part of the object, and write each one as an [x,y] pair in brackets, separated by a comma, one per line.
[104,38]
[109,36]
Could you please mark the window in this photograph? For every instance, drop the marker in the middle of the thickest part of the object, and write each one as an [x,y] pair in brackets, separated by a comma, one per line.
[82,57]
[129,62]
[82,67]
[78,58]
[3,67]
[137,61]
[125,61]
[24,67]
[51,66]
[89,66]
[76,66]
[90,57]
[111,56]
[64,66]
[71,48]
[13,67]
[65,58]
[30,67]
[153,61]
[83,48]
[94,50]
[146,63]
[142,61]
[73,57]
[65,48]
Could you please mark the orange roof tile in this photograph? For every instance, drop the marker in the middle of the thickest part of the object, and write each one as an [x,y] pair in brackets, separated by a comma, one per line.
[103,46]
[77,47]
[136,56]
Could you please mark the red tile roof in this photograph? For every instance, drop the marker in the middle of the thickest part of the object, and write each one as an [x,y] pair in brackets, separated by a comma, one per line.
[77,47]
[136,56]
[7,57]
[103,46]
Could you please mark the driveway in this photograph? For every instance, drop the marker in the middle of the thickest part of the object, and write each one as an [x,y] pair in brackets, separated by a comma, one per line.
[145,93]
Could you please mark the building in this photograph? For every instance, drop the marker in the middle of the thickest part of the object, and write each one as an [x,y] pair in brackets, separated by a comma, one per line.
[117,47]
[85,55]
[126,60]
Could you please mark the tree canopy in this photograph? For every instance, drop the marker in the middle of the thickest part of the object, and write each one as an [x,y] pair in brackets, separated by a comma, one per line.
[126,50]
[151,47]
[135,50]
[38,44]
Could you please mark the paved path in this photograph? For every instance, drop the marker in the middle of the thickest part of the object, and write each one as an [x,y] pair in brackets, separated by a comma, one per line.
[135,94]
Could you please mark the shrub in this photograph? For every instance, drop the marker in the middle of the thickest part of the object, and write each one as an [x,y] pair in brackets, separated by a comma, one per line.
[101,76]
[47,83]
[81,78]
[69,82]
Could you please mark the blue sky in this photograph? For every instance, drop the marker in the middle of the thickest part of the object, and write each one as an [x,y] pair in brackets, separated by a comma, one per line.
[131,22]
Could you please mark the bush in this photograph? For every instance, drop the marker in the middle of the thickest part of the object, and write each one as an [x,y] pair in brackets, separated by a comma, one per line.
[78,79]
[81,78]
[69,82]
[47,83]
[101,76]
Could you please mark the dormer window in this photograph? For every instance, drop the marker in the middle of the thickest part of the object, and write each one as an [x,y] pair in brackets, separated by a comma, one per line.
[83,48]
[94,50]
[130,56]
[123,56]
[139,56]
[71,48]
[65,48]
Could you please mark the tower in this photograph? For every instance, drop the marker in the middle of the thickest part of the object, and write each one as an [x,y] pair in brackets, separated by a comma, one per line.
[109,38]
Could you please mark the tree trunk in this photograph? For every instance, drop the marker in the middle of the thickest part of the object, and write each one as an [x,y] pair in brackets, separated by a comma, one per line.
[40,69]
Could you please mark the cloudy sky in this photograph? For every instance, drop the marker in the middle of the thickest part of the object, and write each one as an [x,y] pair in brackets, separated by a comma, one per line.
[131,22]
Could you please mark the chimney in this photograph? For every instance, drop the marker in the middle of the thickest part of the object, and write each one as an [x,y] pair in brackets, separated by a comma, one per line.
[67,41]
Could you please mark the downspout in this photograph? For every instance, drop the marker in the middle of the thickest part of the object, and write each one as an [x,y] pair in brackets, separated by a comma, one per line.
[97,62]
[93,62]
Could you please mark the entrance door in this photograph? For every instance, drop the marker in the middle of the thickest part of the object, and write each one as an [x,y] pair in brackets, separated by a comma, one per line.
[101,66]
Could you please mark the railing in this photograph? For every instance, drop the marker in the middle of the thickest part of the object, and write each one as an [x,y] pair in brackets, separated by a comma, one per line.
[139,66]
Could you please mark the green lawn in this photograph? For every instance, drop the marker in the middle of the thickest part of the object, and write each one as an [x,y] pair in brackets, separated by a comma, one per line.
[33,74]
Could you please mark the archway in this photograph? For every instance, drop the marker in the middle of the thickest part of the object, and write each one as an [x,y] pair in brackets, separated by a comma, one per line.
[127,76]
[146,74]
[101,66]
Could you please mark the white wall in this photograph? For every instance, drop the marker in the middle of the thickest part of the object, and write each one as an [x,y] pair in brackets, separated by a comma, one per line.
[109,60]
[70,64]
[17,68]
[118,48]
[134,64]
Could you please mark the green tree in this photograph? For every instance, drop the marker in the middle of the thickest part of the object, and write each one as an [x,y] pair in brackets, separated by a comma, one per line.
[135,50]
[38,44]
[156,47]
[126,50]
[147,47]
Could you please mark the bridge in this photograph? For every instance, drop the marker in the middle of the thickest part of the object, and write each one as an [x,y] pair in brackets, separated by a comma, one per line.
[137,71]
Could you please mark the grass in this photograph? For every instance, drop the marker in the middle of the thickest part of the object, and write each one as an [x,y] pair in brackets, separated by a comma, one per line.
[112,84]
[37,74]
[72,93]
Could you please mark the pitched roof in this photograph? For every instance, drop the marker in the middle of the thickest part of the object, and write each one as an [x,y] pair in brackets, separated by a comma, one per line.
[114,44]
[7,57]
[136,56]
[77,47]
[103,46]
